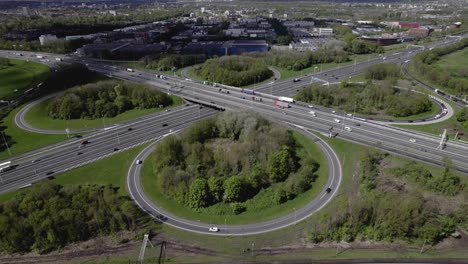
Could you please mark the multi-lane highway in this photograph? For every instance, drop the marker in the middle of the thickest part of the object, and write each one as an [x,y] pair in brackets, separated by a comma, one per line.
[137,193]
[76,152]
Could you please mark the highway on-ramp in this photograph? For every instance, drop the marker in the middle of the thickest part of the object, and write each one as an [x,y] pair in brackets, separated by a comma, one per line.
[334,179]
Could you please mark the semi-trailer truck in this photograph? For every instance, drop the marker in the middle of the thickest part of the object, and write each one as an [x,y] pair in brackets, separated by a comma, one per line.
[286,99]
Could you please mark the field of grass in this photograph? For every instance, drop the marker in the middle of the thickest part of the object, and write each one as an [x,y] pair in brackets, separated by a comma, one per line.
[454,62]
[110,170]
[208,215]
[37,117]
[20,76]
[25,141]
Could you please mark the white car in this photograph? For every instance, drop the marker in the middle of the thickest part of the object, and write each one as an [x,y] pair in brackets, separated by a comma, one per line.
[350,115]
[412,140]
[138,162]
[311,106]
[312,113]
[347,128]
[337,120]
[333,111]
[437,116]
[214,229]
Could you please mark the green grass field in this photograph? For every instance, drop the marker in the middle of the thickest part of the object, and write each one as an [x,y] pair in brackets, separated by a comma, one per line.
[25,141]
[208,215]
[454,62]
[37,117]
[110,170]
[20,76]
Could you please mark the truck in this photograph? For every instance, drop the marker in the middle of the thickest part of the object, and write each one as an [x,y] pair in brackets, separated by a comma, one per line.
[281,104]
[286,99]
[130,70]
[247,91]
[5,166]
[19,54]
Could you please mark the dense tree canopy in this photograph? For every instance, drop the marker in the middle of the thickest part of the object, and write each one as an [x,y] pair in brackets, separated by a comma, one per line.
[105,99]
[368,98]
[230,159]
[50,216]
[167,62]
[234,70]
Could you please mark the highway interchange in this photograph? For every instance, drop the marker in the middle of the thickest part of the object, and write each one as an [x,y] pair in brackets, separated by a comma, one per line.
[64,156]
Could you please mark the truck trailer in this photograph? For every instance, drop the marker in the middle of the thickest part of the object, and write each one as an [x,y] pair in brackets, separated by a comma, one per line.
[281,104]
[286,99]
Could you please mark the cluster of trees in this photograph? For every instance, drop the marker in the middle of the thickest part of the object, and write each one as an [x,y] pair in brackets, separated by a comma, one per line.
[4,62]
[50,216]
[446,184]
[282,35]
[230,159]
[383,71]
[353,44]
[297,61]
[234,70]
[422,65]
[387,211]
[368,98]
[167,62]
[105,99]
[462,117]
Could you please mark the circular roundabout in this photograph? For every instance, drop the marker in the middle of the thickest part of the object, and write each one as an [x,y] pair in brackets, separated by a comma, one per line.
[330,190]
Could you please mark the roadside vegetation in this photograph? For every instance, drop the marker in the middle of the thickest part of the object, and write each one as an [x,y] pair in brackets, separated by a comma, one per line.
[370,98]
[233,70]
[453,81]
[398,202]
[233,163]
[170,62]
[16,76]
[105,99]
[50,216]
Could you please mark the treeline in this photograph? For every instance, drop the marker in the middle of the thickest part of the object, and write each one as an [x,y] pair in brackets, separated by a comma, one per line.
[386,210]
[423,61]
[57,46]
[368,98]
[296,61]
[234,70]
[167,62]
[4,62]
[462,117]
[230,159]
[383,71]
[50,216]
[105,99]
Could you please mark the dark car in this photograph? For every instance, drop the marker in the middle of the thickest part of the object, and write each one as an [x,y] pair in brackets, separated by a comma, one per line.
[296,80]
[328,190]
[84,142]
[164,125]
[116,149]
[410,121]
[77,136]
[357,124]
[79,153]
[49,173]
[130,129]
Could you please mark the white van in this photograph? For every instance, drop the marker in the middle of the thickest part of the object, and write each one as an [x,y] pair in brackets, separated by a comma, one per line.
[312,113]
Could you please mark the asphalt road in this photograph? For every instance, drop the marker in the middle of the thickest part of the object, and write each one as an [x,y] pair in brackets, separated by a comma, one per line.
[72,153]
[334,179]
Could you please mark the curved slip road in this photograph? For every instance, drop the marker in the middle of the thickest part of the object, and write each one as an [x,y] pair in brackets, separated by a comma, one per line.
[335,175]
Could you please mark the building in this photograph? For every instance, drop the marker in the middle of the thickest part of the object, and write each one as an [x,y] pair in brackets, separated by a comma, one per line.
[419,32]
[299,24]
[325,31]
[222,48]
[45,39]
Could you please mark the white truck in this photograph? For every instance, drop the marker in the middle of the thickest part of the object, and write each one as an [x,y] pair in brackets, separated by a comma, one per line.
[286,99]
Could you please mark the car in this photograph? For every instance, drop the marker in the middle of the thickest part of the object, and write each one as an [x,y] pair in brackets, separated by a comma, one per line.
[227,92]
[77,136]
[410,121]
[187,104]
[328,190]
[337,120]
[357,124]
[312,113]
[437,116]
[164,125]
[412,140]
[333,111]
[296,80]
[310,106]
[116,149]
[84,142]
[49,173]
[36,160]
[79,153]
[349,115]
[347,128]
[168,110]
[130,129]
[200,107]
[214,229]
[370,118]
[138,162]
